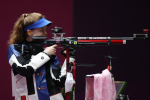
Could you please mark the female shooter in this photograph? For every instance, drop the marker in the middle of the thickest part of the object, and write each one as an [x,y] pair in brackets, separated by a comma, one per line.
[36,71]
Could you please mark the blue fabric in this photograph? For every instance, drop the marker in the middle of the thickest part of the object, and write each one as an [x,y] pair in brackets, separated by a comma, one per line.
[38,24]
[41,82]
[12,50]
[54,63]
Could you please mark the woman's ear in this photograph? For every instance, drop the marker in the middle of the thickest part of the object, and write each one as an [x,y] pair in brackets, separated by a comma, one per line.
[29,32]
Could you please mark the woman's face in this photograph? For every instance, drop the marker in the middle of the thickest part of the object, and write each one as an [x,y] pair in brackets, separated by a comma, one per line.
[39,31]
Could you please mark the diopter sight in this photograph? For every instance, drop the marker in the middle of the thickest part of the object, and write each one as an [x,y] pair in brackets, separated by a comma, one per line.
[57,30]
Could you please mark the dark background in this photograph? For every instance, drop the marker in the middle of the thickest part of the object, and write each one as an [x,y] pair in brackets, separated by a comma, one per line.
[120,18]
[85,18]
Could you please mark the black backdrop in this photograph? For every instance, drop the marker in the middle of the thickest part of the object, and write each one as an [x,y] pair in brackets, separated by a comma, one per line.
[118,18]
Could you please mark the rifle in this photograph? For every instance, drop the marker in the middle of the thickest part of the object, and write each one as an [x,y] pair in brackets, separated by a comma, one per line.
[78,42]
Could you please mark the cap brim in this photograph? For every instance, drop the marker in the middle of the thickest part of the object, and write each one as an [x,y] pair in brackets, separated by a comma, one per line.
[40,23]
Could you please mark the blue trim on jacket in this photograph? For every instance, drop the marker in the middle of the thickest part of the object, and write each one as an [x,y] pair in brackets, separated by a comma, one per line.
[43,94]
[12,50]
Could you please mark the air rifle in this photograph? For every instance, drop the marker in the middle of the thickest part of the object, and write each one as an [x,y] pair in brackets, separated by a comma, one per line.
[79,41]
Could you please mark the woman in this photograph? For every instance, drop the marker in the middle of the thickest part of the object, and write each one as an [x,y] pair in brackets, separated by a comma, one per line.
[37,71]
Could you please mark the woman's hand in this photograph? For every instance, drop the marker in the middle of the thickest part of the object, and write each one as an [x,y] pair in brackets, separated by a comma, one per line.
[50,50]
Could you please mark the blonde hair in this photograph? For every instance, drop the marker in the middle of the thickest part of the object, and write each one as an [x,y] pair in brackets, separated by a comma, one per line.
[18,35]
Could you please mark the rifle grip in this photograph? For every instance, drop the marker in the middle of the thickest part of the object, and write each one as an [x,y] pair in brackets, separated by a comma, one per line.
[62,52]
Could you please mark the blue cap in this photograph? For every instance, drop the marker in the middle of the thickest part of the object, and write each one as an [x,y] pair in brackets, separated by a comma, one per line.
[40,23]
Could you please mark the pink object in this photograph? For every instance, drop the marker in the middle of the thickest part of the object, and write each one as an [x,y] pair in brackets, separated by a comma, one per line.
[101,87]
